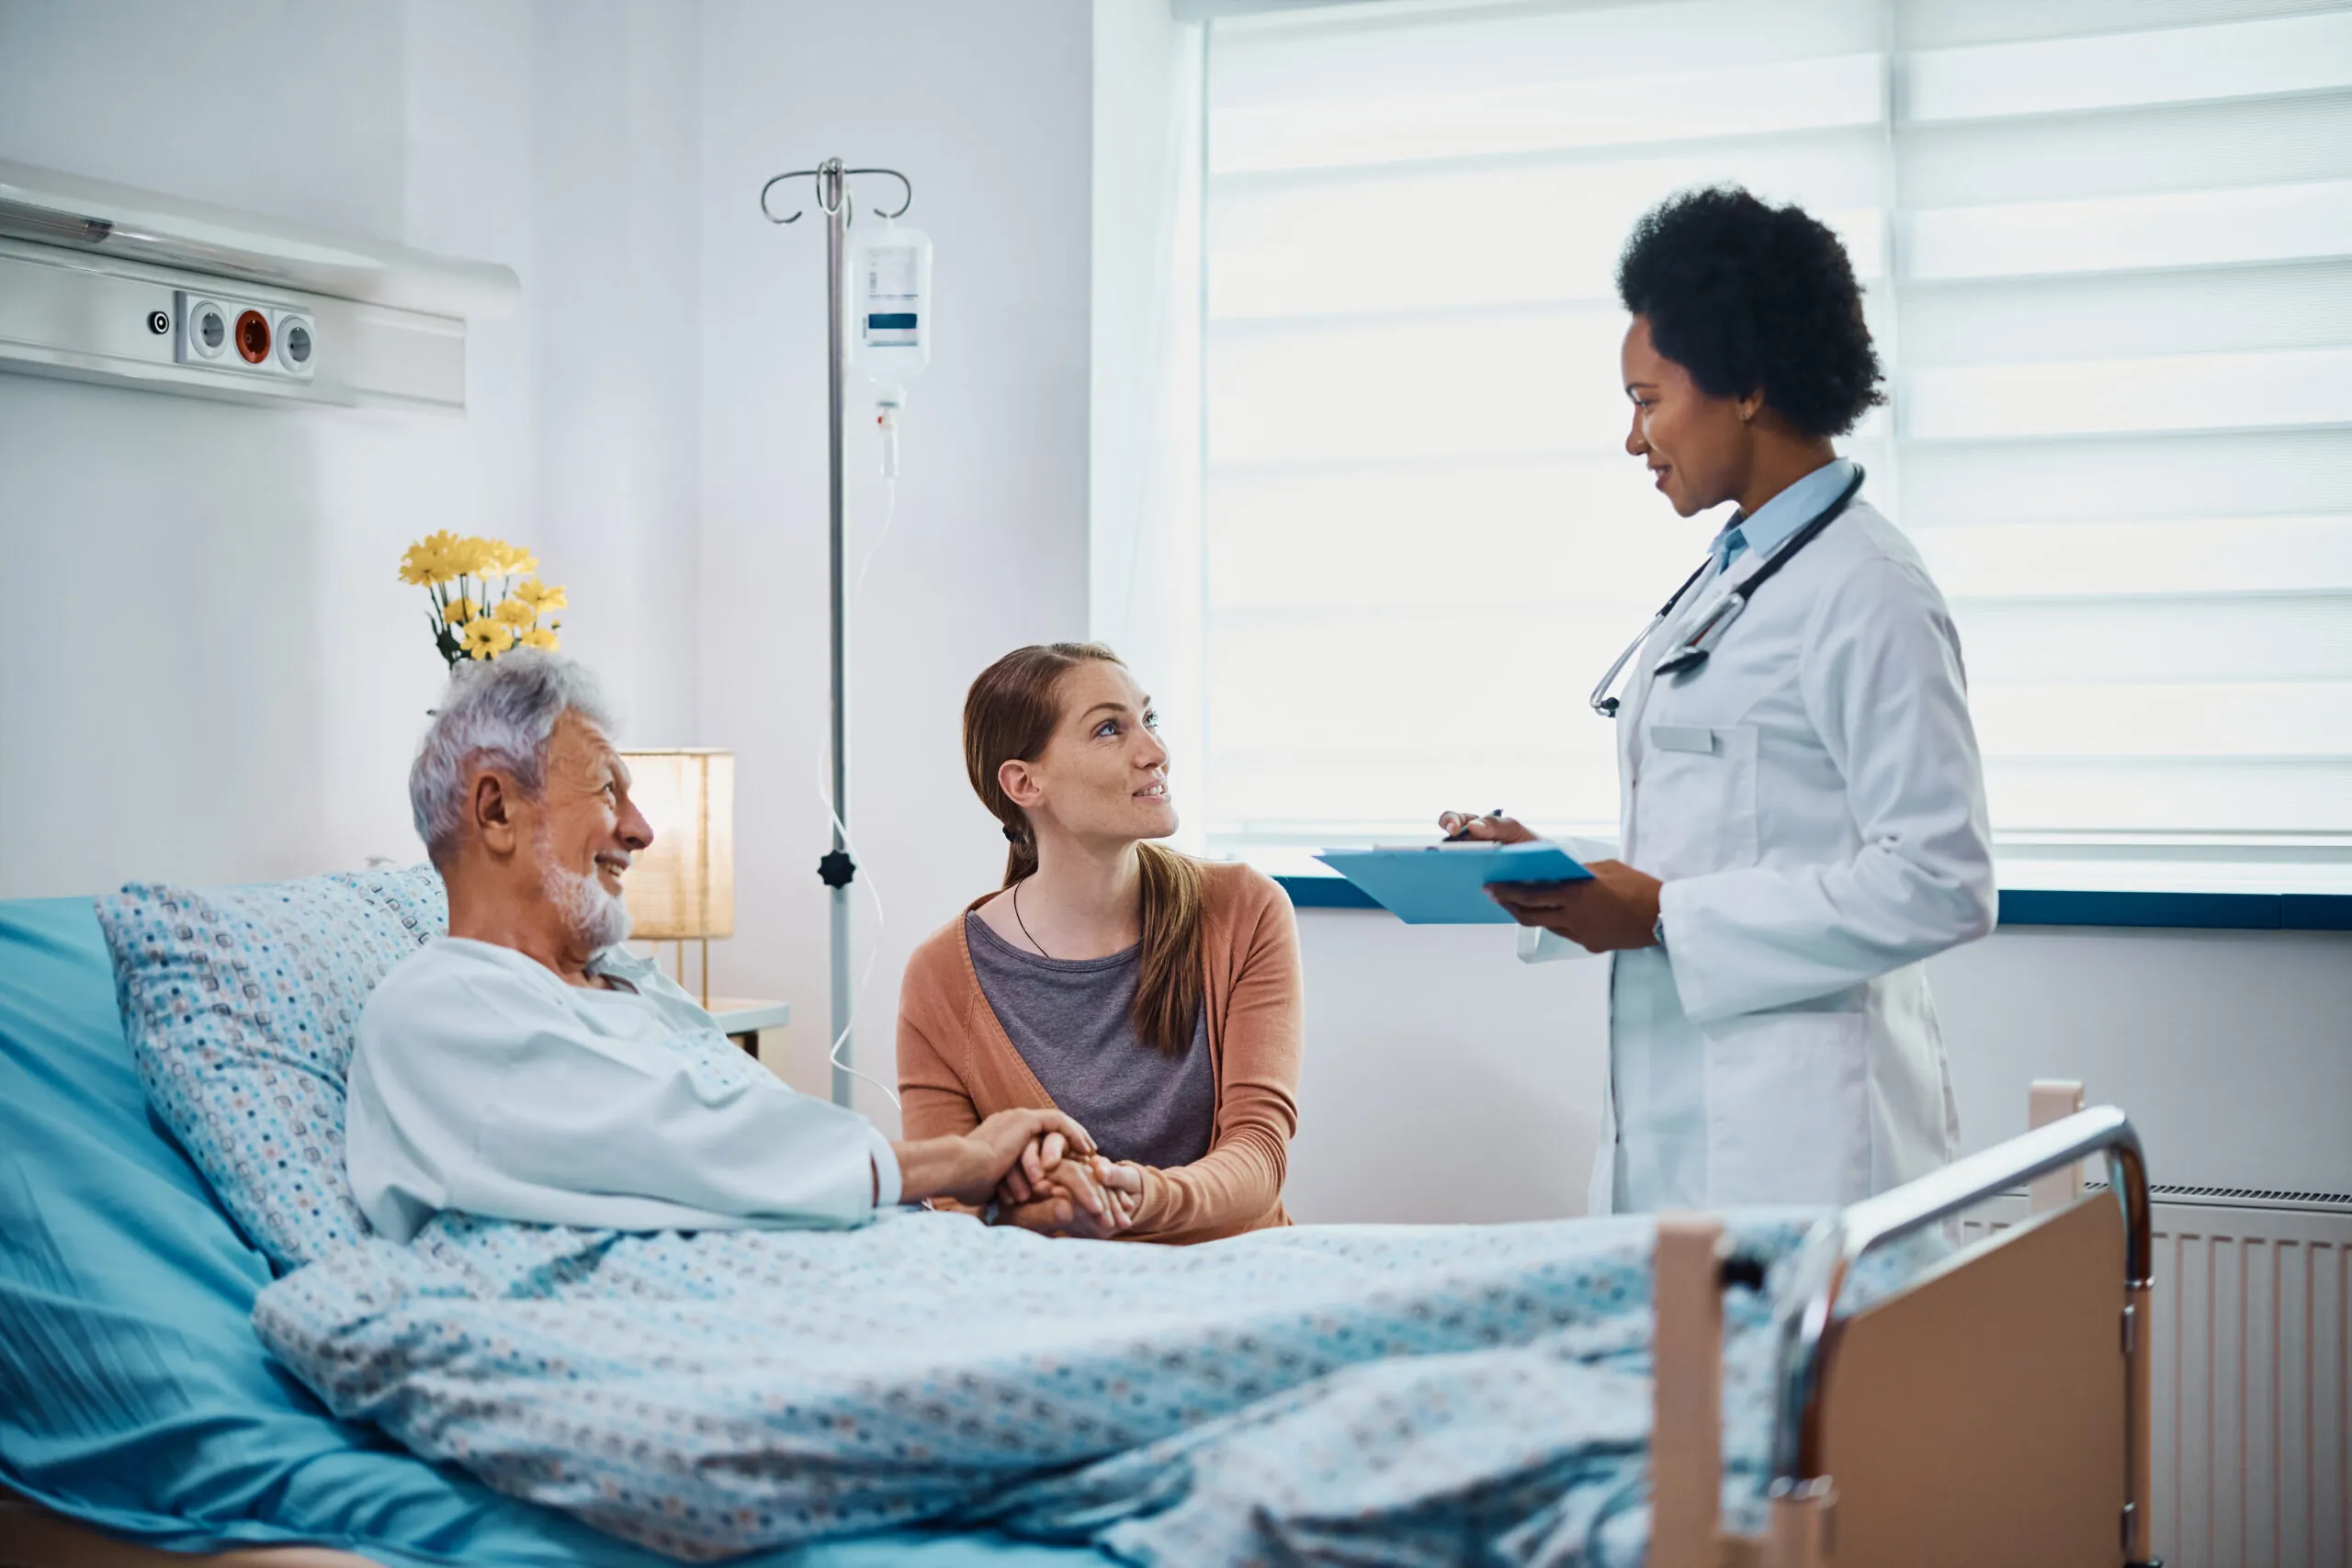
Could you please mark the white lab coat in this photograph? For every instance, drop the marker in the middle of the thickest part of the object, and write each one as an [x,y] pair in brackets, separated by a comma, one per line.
[1814,803]
[480,1082]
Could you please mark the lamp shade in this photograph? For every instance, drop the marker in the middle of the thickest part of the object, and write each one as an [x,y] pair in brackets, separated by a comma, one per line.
[683,885]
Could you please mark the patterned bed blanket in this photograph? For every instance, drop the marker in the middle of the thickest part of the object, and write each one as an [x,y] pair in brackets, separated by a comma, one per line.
[1395,1395]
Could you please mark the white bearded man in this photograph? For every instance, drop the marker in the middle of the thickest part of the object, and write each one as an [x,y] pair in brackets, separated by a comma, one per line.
[527,1066]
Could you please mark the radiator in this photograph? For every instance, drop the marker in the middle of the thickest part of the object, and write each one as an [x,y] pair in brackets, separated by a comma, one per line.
[2253,1419]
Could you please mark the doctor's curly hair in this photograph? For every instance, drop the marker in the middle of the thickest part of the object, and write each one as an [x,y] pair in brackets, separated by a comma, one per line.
[1752,298]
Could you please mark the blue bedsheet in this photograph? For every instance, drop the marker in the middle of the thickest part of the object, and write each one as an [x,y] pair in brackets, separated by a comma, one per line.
[133,1393]
[708,1394]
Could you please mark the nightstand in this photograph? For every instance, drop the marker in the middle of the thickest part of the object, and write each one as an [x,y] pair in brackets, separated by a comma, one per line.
[743,1021]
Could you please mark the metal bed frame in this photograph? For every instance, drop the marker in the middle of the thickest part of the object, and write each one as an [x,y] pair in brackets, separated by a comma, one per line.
[1995,1411]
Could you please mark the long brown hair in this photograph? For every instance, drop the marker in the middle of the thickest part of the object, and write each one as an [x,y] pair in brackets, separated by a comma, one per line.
[1009,715]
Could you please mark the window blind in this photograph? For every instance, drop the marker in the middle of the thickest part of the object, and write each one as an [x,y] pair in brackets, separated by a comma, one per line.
[2106,249]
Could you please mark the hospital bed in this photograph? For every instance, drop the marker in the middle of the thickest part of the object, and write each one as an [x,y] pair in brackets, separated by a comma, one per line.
[1993,1411]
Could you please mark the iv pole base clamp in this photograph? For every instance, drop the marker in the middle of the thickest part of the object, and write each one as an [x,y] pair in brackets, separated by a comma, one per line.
[836,869]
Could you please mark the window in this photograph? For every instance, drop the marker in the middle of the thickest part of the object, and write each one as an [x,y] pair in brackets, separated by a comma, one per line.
[2108,251]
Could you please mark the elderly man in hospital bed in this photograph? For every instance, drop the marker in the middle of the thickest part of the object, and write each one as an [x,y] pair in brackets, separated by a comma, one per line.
[527,1066]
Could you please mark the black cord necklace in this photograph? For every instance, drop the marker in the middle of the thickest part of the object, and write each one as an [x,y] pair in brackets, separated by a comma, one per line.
[1023,924]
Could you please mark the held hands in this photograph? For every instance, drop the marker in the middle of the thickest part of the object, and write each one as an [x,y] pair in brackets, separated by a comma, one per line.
[1615,911]
[1087,1197]
[1040,1167]
[969,1167]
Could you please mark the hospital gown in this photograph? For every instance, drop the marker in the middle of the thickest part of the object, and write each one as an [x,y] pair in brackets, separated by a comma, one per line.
[482,1083]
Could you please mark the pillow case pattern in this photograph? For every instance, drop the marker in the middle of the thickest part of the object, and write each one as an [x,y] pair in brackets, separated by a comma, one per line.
[241,1004]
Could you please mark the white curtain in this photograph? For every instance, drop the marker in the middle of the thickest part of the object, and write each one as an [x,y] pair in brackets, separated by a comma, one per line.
[1144,585]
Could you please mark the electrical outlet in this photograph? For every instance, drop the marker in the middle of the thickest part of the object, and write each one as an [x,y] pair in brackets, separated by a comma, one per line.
[245,337]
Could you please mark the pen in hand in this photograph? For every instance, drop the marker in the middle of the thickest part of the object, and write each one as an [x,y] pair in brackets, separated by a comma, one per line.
[1463,832]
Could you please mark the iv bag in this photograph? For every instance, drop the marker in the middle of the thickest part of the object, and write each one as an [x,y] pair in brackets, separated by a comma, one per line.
[890,330]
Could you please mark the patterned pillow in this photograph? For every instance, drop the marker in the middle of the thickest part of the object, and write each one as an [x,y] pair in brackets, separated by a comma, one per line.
[240,1004]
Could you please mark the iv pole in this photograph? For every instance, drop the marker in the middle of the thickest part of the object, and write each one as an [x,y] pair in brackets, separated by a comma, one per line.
[837,870]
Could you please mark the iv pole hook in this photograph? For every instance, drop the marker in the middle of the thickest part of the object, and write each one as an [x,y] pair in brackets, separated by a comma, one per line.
[832,165]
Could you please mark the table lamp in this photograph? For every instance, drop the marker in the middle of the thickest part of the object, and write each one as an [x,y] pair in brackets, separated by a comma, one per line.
[682,888]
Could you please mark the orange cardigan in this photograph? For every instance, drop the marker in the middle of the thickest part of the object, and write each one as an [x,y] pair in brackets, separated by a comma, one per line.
[956,1064]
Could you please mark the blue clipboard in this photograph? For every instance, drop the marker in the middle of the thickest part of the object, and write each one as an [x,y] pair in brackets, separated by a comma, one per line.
[1445,885]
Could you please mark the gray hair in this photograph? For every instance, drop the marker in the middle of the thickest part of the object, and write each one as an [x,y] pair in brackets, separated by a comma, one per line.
[499,712]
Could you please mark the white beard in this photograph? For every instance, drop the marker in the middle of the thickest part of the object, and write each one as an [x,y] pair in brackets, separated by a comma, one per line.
[597,918]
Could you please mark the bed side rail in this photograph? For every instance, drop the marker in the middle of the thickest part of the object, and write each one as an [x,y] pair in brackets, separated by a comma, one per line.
[1686,1461]
[1828,1258]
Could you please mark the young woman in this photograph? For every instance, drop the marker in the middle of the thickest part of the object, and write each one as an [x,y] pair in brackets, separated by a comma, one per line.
[1153,997]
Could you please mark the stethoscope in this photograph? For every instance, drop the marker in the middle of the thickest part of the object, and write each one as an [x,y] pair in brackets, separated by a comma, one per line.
[1692,651]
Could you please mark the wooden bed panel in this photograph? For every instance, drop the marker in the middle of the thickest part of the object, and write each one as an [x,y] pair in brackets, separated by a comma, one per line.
[32,1537]
[2022,1350]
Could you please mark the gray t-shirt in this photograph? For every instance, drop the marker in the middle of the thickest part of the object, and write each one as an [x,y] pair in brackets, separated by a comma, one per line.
[1070,1020]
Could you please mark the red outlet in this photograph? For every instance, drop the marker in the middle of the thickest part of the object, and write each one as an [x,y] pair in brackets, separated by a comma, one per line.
[253,337]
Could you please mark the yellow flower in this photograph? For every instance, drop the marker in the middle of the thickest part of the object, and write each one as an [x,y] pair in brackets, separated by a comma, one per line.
[458,611]
[540,596]
[516,613]
[430,561]
[473,556]
[543,637]
[506,559]
[487,639]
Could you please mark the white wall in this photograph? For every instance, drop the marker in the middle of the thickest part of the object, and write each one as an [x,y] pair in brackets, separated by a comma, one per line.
[1444,1080]
[986,108]
[208,670]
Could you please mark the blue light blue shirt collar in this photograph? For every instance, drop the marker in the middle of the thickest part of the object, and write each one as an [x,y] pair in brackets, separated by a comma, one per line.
[1784,513]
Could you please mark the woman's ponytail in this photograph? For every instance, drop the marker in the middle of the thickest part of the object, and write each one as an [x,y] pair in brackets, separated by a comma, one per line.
[1021,860]
[1167,992]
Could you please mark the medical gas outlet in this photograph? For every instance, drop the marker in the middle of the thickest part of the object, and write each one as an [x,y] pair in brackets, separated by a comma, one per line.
[228,333]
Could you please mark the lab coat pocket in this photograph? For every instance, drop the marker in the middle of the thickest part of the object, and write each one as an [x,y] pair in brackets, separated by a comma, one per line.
[1696,799]
[1789,1107]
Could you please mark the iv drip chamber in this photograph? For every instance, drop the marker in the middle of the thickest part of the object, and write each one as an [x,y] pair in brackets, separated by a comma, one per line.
[888,404]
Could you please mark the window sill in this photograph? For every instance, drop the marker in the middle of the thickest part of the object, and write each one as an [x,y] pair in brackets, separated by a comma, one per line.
[2032,906]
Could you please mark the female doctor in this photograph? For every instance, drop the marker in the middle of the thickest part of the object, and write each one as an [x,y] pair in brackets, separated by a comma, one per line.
[1804,807]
